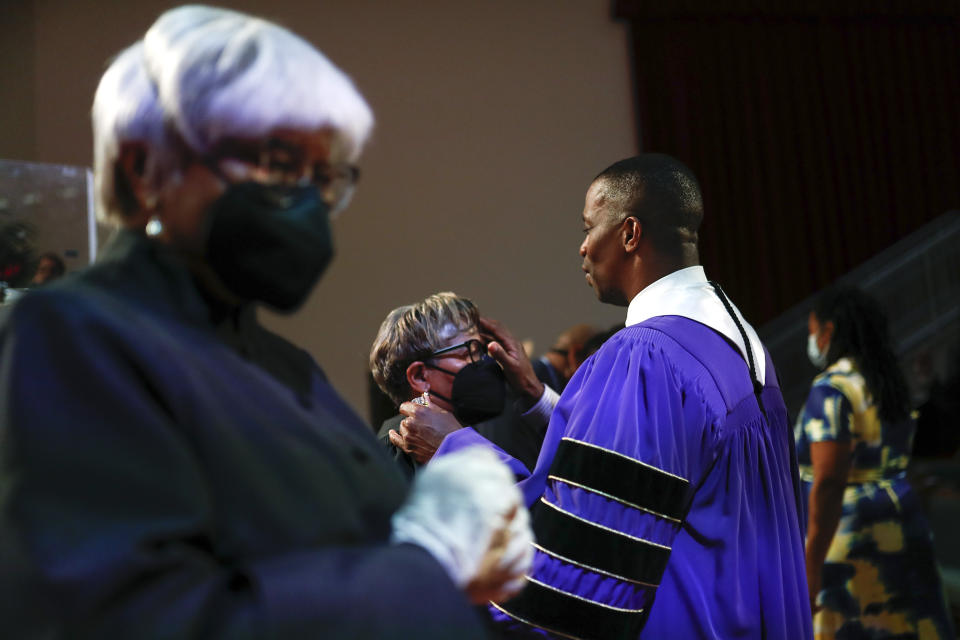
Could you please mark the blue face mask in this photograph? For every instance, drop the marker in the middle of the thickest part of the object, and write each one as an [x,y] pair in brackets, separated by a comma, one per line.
[269,243]
[817,357]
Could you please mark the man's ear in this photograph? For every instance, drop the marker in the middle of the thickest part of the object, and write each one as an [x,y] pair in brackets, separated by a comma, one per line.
[132,176]
[417,377]
[630,233]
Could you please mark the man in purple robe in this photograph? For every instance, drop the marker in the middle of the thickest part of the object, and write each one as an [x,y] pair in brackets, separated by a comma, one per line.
[665,498]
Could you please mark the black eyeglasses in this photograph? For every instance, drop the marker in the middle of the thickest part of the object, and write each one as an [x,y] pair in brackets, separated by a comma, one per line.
[476,349]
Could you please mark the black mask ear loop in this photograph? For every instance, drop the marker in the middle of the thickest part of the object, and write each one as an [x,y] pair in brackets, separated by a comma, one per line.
[757,386]
[446,371]
[441,396]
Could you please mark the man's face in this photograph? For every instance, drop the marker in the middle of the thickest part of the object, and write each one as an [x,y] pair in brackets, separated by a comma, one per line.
[601,249]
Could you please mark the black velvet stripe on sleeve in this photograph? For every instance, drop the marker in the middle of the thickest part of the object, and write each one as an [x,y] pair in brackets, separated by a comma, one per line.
[627,480]
[563,613]
[593,547]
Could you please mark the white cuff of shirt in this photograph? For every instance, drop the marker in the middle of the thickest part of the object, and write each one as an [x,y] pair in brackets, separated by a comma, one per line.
[540,412]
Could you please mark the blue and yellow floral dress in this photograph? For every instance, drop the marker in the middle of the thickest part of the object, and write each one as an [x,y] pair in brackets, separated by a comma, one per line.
[880,578]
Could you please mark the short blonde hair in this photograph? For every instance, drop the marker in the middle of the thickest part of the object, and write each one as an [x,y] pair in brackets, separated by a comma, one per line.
[413,332]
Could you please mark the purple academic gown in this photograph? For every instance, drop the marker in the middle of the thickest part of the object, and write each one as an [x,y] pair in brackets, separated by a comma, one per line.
[665,503]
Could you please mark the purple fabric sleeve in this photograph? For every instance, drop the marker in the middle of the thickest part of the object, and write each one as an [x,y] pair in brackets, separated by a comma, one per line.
[468,437]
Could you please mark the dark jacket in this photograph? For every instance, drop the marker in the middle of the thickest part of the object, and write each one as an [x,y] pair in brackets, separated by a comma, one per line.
[170,469]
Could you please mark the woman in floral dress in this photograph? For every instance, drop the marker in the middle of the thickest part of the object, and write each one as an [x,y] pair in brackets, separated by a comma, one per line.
[869,552]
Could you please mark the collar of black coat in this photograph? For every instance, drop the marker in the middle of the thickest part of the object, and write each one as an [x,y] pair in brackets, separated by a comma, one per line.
[168,284]
[157,279]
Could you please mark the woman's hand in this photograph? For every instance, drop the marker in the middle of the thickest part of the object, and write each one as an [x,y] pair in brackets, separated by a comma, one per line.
[500,574]
[831,464]
[466,511]
[814,584]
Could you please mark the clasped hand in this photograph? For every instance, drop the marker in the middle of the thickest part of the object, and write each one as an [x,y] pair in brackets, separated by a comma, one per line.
[465,510]
[422,430]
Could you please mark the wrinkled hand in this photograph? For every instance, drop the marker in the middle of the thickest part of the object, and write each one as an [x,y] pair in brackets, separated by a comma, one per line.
[509,353]
[466,511]
[422,430]
[500,575]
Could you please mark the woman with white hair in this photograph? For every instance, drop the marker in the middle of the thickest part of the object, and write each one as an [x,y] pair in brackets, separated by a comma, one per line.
[169,467]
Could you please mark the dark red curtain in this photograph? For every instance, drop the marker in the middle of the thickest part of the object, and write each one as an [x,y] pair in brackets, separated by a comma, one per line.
[821,135]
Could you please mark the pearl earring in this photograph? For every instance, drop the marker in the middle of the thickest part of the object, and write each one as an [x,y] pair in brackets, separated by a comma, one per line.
[154,226]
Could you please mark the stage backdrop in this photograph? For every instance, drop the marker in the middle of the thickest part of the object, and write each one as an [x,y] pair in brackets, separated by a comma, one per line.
[821,132]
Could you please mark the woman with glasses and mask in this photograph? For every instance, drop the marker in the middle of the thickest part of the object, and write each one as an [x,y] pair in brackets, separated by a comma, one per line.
[869,554]
[172,469]
[432,361]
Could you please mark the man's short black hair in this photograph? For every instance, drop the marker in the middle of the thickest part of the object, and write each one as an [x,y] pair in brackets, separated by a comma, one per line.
[660,191]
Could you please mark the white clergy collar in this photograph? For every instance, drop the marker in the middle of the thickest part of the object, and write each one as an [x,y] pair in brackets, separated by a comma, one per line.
[687,293]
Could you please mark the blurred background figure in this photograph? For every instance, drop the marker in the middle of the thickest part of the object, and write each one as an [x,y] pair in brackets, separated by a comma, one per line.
[869,553]
[596,341]
[49,268]
[938,429]
[170,467]
[558,365]
[431,358]
[17,254]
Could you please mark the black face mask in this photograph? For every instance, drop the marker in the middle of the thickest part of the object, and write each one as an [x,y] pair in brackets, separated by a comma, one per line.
[478,392]
[269,243]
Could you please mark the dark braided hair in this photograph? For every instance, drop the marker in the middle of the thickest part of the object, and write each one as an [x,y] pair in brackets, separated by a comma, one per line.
[860,332]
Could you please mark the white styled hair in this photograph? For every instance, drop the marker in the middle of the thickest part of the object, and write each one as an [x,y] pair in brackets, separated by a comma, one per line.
[125,108]
[205,74]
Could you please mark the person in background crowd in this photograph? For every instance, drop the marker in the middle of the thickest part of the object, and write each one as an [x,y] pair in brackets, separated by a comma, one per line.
[559,364]
[49,268]
[594,343]
[431,359]
[869,553]
[172,469]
